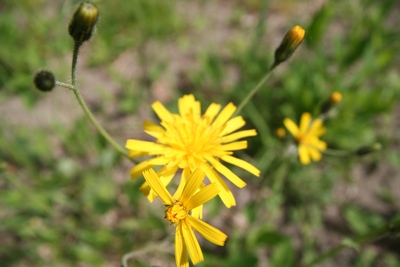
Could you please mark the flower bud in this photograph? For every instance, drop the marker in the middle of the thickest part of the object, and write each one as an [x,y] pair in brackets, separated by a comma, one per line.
[290,42]
[44,81]
[368,149]
[83,22]
[334,99]
[280,132]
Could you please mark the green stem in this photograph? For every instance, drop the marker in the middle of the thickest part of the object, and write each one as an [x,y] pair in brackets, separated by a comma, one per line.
[337,153]
[385,230]
[87,111]
[65,85]
[253,91]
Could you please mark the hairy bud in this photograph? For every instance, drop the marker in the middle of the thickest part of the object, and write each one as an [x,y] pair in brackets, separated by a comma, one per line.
[289,44]
[83,22]
[44,81]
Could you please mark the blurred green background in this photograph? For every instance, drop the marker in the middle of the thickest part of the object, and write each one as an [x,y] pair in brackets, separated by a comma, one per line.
[66,198]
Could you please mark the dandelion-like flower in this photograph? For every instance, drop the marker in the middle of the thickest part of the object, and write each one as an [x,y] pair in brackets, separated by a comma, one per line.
[178,212]
[189,140]
[307,136]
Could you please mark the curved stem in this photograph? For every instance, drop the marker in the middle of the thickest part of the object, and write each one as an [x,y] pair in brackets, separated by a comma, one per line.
[253,91]
[82,103]
[392,227]
[159,246]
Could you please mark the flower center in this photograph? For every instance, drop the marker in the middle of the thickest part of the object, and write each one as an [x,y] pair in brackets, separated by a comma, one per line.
[175,212]
[191,138]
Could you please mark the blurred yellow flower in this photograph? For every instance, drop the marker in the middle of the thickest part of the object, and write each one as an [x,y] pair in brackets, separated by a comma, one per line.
[178,212]
[189,140]
[307,136]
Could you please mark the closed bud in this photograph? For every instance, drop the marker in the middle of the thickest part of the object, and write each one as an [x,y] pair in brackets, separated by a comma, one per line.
[280,132]
[334,99]
[368,149]
[83,22]
[44,81]
[290,42]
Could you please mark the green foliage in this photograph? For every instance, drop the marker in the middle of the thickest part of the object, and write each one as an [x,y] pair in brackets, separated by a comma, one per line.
[65,195]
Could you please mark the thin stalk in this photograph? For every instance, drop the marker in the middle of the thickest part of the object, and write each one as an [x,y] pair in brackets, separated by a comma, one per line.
[87,111]
[65,85]
[152,247]
[253,91]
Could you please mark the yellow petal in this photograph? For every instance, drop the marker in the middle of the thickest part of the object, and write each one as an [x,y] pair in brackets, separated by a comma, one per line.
[198,212]
[303,154]
[238,135]
[135,153]
[212,112]
[224,116]
[153,129]
[291,126]
[225,194]
[234,146]
[209,232]
[182,183]
[181,256]
[144,165]
[156,184]
[315,154]
[242,164]
[192,184]
[162,112]
[188,105]
[317,128]
[151,195]
[232,125]
[143,146]
[193,247]
[225,171]
[305,122]
[205,194]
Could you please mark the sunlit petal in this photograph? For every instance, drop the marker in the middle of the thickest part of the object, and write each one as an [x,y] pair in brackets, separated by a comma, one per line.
[304,122]
[193,247]
[181,256]
[204,195]
[155,183]
[192,185]
[242,164]
[209,232]
[291,126]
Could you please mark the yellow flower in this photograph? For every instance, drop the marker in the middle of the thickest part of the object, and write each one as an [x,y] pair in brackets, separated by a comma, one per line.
[178,212]
[189,140]
[307,137]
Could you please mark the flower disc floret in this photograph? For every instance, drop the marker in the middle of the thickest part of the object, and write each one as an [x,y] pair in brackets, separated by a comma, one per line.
[176,212]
